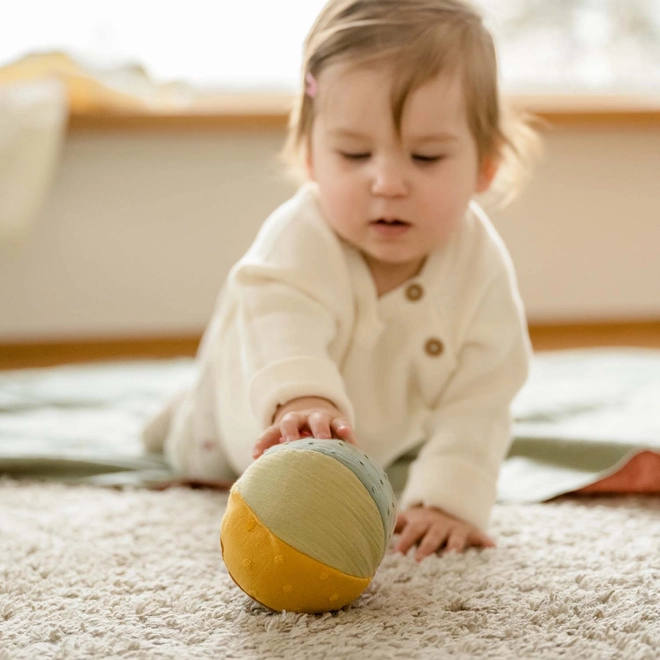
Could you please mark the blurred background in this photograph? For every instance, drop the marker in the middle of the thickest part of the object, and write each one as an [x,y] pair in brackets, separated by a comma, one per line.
[138,157]
[545,46]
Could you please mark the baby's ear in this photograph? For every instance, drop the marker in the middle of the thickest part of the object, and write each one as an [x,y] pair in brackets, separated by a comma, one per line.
[487,172]
[309,168]
[309,163]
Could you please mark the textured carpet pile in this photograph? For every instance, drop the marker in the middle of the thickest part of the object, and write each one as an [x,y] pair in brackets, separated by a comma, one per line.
[98,573]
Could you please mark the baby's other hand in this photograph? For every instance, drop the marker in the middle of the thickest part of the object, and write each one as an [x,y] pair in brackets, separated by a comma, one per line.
[308,416]
[432,529]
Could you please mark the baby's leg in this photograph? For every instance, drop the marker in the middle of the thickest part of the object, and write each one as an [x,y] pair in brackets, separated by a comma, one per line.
[192,444]
[155,432]
[192,447]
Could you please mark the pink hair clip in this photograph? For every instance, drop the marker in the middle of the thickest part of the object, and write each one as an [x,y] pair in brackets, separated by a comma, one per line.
[312,86]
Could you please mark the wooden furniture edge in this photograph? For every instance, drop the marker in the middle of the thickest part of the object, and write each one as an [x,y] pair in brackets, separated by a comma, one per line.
[545,336]
[271,112]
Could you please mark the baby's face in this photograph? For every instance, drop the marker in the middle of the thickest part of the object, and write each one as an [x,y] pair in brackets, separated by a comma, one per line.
[368,178]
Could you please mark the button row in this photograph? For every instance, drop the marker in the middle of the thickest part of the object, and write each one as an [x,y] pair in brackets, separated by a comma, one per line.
[414,292]
[434,347]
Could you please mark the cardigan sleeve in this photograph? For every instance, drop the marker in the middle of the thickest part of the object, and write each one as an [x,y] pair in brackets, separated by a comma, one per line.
[292,307]
[286,332]
[470,429]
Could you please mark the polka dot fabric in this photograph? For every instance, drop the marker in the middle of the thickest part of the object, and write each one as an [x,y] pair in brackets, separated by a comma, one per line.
[307,525]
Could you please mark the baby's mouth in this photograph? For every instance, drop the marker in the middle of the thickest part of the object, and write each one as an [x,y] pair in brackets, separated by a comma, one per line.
[390,228]
[392,223]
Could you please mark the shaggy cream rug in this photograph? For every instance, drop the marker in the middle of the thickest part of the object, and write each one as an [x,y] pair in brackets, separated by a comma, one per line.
[88,572]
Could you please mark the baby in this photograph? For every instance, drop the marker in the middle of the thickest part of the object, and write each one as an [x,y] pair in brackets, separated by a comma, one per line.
[378,305]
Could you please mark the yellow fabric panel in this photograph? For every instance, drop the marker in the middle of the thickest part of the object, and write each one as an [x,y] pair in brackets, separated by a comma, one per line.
[318,506]
[85,89]
[274,573]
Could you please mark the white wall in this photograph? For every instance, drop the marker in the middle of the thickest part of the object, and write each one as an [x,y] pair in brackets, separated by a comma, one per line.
[585,235]
[141,229]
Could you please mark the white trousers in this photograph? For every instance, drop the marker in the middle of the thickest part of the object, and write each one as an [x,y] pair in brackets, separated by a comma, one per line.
[186,432]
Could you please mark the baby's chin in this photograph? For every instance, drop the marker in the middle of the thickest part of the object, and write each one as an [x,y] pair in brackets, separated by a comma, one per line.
[411,264]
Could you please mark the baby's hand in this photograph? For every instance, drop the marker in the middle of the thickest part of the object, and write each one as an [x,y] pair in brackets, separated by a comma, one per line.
[434,529]
[305,416]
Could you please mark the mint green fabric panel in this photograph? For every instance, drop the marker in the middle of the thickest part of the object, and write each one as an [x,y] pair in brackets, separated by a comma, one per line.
[546,467]
[82,423]
[579,418]
[576,403]
[591,396]
[372,476]
[317,506]
[536,470]
[531,479]
[107,472]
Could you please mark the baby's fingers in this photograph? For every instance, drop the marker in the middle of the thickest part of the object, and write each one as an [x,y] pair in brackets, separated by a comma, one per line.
[432,541]
[458,539]
[290,426]
[270,437]
[411,533]
[319,425]
[478,539]
[343,430]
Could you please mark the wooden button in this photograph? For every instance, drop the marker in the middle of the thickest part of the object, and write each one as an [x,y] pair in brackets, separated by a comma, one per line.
[433,347]
[414,292]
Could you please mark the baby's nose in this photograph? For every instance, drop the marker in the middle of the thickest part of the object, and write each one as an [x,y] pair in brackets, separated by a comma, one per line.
[389,179]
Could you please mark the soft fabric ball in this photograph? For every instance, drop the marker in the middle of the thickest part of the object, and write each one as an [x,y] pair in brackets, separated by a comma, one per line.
[307,525]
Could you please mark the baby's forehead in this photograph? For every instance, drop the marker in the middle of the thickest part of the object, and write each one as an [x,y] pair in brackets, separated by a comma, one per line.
[356,100]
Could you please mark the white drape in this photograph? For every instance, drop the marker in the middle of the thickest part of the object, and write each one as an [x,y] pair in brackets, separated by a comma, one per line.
[33,117]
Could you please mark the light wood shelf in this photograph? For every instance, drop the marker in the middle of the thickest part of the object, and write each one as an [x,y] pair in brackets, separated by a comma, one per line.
[40,353]
[270,112]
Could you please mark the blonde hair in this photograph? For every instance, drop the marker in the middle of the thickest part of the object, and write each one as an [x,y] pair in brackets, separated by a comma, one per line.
[417,40]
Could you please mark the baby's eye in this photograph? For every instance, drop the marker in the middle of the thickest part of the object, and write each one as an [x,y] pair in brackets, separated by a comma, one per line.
[427,159]
[355,156]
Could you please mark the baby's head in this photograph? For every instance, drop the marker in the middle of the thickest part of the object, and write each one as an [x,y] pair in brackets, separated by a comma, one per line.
[381,77]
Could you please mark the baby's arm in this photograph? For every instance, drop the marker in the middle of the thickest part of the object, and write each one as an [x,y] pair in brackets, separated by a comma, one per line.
[293,311]
[314,415]
[452,483]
